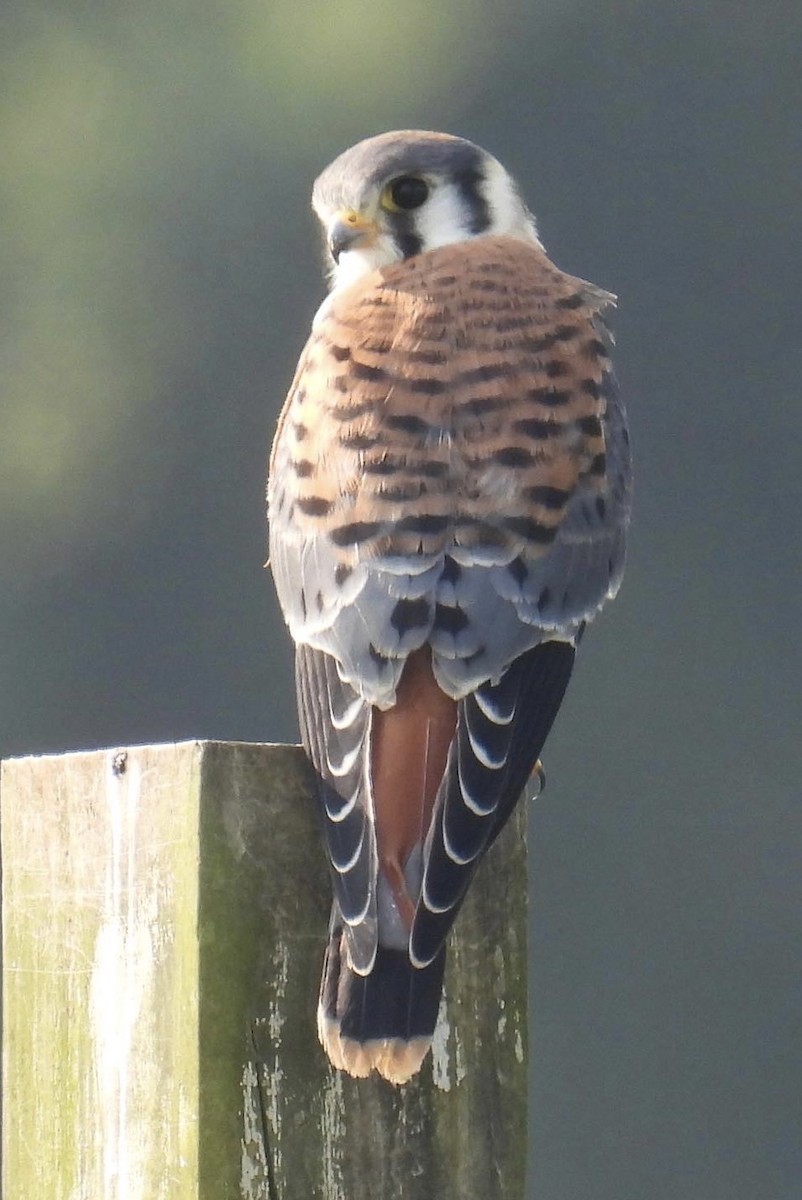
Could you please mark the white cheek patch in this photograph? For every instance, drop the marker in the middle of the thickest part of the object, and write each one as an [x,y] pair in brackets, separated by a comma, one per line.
[446,216]
[508,213]
[442,220]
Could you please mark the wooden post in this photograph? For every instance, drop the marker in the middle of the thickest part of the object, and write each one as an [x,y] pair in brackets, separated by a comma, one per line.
[164,915]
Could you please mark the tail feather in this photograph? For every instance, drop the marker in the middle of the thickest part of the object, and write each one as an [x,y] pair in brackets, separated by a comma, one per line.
[383,1021]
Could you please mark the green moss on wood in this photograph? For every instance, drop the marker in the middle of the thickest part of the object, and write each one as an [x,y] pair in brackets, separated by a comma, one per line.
[165,913]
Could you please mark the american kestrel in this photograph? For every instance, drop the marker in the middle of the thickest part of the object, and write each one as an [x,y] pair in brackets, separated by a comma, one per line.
[448,501]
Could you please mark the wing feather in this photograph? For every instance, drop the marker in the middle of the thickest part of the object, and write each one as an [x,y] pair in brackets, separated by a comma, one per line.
[458,406]
[451,469]
[344,795]
[475,800]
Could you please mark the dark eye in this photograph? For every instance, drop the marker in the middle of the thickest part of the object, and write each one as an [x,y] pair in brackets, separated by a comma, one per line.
[407,192]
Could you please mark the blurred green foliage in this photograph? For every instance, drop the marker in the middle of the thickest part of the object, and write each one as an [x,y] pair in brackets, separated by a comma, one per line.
[134,137]
[112,119]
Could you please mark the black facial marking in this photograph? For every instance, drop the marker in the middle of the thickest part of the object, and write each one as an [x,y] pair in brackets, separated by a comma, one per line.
[405,233]
[457,163]
[469,180]
[409,244]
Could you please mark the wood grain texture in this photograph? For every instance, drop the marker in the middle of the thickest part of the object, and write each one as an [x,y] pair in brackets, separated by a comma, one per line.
[164,913]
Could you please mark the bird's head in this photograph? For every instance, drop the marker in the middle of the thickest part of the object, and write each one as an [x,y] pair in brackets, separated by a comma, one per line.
[400,194]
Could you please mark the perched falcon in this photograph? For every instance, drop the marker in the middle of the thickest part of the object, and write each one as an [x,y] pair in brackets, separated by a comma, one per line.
[448,501]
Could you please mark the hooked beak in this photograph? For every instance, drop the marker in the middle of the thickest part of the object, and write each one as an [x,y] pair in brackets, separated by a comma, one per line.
[348,230]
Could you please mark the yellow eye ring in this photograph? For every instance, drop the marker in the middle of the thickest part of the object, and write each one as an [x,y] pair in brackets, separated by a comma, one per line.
[405,193]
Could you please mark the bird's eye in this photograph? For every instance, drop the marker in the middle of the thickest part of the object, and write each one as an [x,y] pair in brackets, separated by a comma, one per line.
[405,193]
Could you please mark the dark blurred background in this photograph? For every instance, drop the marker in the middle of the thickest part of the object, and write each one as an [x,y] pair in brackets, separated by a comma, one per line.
[161,267]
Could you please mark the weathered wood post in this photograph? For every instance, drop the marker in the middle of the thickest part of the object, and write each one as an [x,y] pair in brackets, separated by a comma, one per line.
[164,914]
